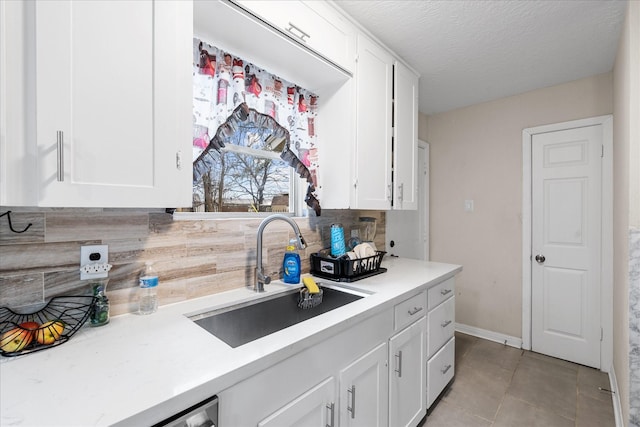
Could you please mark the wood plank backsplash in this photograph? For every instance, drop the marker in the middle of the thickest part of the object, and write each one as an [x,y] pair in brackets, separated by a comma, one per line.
[193,258]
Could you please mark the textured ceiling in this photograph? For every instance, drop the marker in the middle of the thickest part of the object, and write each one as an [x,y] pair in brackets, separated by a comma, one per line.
[475,51]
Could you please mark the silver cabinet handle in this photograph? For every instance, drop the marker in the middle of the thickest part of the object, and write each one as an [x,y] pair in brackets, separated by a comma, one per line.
[540,259]
[399,357]
[445,291]
[60,151]
[414,310]
[445,323]
[446,368]
[298,33]
[179,160]
[330,407]
[352,408]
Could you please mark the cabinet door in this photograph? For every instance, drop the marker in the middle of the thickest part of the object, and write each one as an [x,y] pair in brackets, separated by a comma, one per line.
[405,138]
[114,101]
[442,323]
[374,79]
[315,408]
[407,375]
[364,390]
[17,158]
[313,24]
[441,369]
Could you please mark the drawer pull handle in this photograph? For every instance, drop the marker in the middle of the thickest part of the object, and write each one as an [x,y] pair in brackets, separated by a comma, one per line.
[352,408]
[445,323]
[445,292]
[399,357]
[414,310]
[298,33]
[446,369]
[330,407]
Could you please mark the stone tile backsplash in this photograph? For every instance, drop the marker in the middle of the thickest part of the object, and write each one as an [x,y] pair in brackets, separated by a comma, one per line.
[193,257]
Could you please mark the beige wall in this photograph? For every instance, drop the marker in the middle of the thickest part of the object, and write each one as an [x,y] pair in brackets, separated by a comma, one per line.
[626,180]
[476,153]
[193,258]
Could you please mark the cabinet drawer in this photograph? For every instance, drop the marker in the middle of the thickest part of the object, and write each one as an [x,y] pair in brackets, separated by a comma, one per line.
[409,311]
[441,292]
[313,24]
[441,325]
[440,369]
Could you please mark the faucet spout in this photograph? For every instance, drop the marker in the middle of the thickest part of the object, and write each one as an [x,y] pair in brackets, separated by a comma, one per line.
[260,278]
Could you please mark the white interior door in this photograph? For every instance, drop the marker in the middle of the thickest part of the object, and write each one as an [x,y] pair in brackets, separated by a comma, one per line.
[407,232]
[566,244]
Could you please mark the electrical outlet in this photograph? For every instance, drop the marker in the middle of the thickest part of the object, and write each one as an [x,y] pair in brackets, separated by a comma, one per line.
[96,254]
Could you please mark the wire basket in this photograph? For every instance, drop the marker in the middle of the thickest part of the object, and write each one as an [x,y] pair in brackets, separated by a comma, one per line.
[51,325]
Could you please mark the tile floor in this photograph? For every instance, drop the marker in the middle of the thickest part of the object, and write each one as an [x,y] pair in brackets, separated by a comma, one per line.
[496,385]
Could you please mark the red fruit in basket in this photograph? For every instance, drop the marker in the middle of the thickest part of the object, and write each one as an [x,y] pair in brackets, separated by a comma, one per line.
[30,325]
[49,332]
[15,339]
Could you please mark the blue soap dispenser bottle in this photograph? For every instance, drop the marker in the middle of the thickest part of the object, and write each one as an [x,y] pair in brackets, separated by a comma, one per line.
[291,264]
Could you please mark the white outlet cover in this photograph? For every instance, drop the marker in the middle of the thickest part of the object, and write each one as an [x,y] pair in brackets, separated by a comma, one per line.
[85,259]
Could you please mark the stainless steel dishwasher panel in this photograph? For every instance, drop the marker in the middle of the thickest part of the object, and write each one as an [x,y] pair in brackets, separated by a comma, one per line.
[203,414]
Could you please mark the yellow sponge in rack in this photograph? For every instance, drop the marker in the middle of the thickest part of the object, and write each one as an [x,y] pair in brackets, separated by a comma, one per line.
[311,285]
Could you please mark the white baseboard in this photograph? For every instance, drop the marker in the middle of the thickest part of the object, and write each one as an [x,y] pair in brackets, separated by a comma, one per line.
[489,335]
[615,396]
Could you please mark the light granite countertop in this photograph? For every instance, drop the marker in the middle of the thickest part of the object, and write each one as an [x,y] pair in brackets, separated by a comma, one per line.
[138,370]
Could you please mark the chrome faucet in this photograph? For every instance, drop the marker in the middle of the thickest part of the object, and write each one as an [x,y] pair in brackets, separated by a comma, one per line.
[260,279]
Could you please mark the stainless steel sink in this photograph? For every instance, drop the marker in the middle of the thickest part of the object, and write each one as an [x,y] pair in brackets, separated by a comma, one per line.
[239,324]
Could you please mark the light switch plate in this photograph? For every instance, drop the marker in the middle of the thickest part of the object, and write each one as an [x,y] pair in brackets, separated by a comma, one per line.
[468,205]
[94,254]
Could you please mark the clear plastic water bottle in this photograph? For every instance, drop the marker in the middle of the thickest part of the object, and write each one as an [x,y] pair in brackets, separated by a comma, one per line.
[148,297]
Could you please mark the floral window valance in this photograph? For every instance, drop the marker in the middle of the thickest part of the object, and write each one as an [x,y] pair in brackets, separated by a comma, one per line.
[232,95]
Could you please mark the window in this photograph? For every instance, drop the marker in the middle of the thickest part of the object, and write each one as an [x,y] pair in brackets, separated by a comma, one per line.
[245,176]
[253,132]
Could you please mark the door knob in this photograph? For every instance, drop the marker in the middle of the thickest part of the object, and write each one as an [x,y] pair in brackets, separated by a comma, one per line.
[540,259]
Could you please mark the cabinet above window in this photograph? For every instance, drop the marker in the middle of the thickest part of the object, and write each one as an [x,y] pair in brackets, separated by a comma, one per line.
[313,24]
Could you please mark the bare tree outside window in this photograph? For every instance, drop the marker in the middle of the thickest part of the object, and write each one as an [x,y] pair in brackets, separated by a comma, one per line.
[242,182]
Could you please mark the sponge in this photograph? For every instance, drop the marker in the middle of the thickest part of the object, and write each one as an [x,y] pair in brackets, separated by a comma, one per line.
[311,285]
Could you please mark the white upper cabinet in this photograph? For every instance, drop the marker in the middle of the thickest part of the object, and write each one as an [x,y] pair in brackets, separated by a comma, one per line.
[386,157]
[374,85]
[405,138]
[313,24]
[112,95]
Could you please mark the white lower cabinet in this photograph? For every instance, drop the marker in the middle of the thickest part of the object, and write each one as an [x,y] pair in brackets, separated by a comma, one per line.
[386,370]
[364,390]
[407,375]
[441,325]
[440,370]
[440,340]
[315,408]
[309,387]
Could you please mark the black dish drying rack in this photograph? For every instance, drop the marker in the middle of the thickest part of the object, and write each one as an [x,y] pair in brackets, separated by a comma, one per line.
[344,269]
